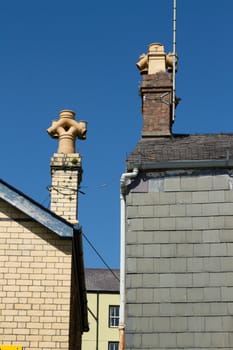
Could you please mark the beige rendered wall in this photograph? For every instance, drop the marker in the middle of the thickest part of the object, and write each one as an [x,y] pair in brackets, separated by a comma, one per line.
[106,334]
[35,270]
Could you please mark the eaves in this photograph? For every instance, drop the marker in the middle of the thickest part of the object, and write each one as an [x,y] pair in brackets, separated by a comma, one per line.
[35,210]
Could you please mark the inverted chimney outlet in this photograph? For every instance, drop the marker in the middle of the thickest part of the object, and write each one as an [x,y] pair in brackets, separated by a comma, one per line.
[66,130]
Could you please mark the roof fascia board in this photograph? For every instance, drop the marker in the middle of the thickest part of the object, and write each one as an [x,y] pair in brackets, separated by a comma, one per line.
[183,164]
[40,215]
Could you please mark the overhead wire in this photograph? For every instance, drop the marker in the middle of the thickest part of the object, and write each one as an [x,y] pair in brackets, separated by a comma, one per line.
[59,190]
[100,256]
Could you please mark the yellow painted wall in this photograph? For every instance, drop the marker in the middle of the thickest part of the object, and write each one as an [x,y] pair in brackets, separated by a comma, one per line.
[106,334]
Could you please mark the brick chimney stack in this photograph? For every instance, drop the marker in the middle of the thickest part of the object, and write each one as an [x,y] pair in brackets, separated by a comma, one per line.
[66,168]
[156,91]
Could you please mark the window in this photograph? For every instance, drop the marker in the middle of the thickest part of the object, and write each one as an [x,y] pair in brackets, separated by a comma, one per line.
[113,345]
[114,316]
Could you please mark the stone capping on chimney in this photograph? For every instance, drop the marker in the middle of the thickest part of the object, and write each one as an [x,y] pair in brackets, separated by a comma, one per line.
[72,160]
[156,92]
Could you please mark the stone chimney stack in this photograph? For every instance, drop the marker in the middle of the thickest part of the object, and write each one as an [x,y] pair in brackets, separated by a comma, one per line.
[156,91]
[66,168]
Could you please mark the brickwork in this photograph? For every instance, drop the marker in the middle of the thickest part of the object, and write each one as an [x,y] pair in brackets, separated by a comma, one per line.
[35,279]
[156,90]
[66,176]
[179,249]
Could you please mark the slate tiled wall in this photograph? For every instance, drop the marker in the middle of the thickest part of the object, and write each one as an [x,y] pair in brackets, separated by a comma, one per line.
[179,261]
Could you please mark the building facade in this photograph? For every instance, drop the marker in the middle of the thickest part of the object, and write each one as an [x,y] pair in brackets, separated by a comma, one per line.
[179,224]
[103,310]
[43,301]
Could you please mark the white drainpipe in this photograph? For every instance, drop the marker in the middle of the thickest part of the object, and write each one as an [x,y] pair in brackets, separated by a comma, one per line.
[125,178]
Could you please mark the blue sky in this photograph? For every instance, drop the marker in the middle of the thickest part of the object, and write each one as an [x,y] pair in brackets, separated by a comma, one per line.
[81,55]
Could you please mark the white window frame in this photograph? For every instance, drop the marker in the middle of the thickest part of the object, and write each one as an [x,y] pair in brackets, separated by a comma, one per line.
[113,345]
[113,319]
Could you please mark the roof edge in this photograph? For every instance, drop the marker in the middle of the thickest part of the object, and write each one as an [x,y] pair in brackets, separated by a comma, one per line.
[182,164]
[35,210]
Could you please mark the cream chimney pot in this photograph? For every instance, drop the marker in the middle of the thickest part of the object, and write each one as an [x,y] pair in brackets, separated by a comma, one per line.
[66,130]
[156,58]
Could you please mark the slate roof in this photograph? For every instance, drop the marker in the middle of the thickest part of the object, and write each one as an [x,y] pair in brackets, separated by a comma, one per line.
[35,210]
[199,147]
[102,280]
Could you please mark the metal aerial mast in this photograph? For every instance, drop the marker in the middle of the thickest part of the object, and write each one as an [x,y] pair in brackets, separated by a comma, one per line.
[174,62]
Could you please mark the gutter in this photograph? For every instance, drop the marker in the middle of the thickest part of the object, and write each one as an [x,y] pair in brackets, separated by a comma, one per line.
[124,182]
[183,164]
